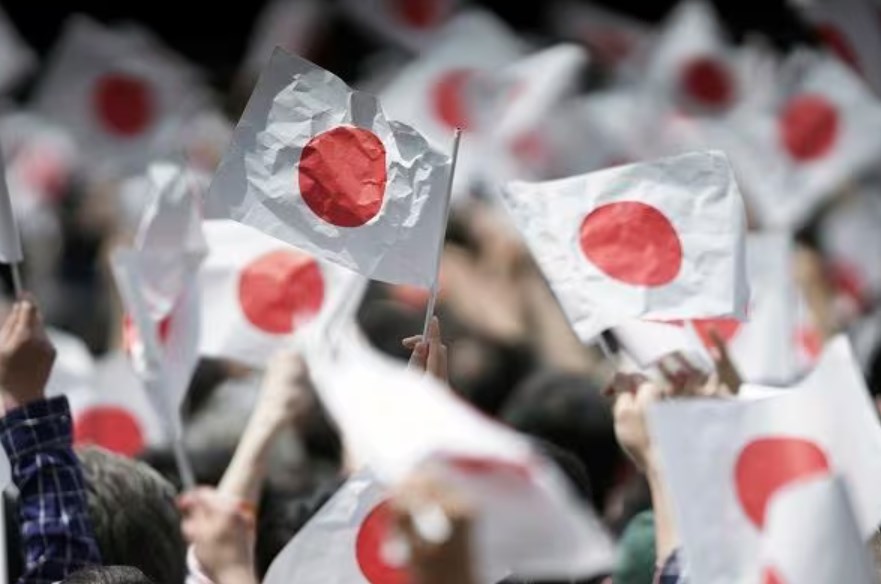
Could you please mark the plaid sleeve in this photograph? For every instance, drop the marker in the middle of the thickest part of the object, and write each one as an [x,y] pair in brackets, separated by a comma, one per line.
[55,528]
[672,571]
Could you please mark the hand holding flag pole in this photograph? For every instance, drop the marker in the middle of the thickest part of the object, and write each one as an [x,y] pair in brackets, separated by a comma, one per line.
[432,297]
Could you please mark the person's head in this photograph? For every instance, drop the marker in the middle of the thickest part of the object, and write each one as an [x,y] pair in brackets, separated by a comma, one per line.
[134,515]
[108,575]
[569,411]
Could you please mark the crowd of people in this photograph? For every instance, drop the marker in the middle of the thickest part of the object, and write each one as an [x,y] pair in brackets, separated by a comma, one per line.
[107,500]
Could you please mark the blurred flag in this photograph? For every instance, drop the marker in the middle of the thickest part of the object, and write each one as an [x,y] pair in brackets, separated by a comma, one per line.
[10,241]
[397,420]
[293,25]
[691,63]
[828,535]
[850,30]
[614,40]
[347,540]
[158,286]
[660,240]
[258,293]
[749,449]
[410,23]
[317,165]
[16,58]
[116,91]
[822,132]
[451,84]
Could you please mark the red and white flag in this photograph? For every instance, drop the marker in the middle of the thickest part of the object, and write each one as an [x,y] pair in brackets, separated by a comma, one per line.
[823,131]
[850,30]
[317,165]
[409,23]
[397,420]
[451,86]
[691,63]
[348,540]
[661,240]
[749,449]
[812,537]
[258,293]
[117,91]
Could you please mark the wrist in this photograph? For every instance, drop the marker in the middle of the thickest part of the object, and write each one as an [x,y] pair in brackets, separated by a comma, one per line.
[235,573]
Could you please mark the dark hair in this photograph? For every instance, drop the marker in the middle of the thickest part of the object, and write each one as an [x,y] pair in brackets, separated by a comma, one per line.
[134,515]
[108,575]
[570,412]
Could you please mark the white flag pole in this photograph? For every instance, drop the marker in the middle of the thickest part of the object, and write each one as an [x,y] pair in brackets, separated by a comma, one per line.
[432,296]
[17,287]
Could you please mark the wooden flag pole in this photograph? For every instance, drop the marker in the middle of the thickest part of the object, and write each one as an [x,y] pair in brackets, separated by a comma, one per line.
[432,296]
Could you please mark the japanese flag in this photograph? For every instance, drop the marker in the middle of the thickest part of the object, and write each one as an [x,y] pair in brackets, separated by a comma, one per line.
[258,293]
[346,541]
[410,23]
[851,30]
[824,130]
[821,546]
[529,524]
[116,91]
[661,240]
[691,63]
[721,485]
[317,165]
[452,84]
[107,411]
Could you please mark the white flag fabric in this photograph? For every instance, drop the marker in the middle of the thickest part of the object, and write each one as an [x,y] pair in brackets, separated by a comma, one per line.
[317,165]
[851,30]
[345,542]
[721,484]
[410,23]
[16,58]
[169,238]
[10,240]
[823,131]
[450,85]
[164,353]
[115,90]
[258,293]
[660,240]
[812,537]
[529,524]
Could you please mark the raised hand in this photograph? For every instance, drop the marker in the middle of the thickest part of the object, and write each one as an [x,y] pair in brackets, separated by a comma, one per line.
[26,355]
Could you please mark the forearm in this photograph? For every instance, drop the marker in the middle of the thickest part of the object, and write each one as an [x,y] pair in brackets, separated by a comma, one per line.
[666,536]
[56,531]
[247,470]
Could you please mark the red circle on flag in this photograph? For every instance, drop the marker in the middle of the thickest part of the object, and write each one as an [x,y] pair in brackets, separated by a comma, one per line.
[448,98]
[810,341]
[707,81]
[368,548]
[421,14]
[767,464]
[280,289]
[130,335]
[123,103]
[808,127]
[110,427]
[836,42]
[727,328]
[342,175]
[770,576]
[632,242]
